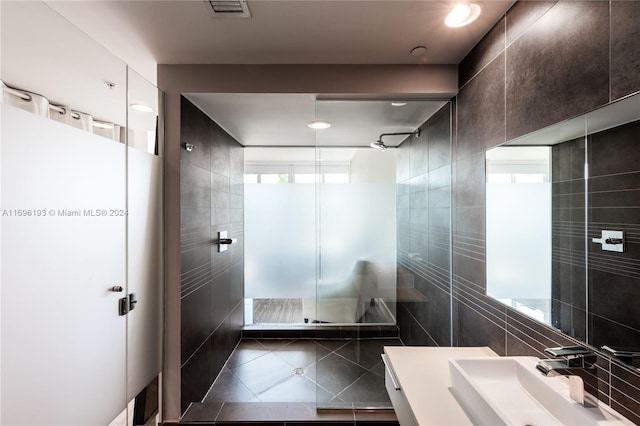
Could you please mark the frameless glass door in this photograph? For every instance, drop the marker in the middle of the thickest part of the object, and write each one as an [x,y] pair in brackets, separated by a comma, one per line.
[356,194]
[356,287]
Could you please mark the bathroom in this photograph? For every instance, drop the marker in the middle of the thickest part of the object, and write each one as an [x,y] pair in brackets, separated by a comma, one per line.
[528,72]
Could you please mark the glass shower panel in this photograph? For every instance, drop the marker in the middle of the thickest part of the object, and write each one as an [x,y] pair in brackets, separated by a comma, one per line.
[356,285]
[63,229]
[280,244]
[357,237]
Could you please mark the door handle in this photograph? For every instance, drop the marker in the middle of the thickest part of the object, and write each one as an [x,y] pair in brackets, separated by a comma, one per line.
[224,241]
[127,304]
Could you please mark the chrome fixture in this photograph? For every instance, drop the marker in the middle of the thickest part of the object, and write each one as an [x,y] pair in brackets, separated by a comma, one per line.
[189,147]
[569,361]
[629,356]
[380,145]
[224,241]
[611,241]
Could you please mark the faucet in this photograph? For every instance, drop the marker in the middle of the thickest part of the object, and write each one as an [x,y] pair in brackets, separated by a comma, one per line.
[569,360]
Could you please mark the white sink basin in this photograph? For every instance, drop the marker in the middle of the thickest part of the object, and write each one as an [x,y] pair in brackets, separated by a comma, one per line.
[510,391]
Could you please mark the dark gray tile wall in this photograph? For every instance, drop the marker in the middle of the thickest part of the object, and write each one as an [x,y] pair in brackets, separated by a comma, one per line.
[424,228]
[212,283]
[625,55]
[614,203]
[563,61]
[560,59]
[568,292]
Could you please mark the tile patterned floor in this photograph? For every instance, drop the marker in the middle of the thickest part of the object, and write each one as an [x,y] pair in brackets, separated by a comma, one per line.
[336,373]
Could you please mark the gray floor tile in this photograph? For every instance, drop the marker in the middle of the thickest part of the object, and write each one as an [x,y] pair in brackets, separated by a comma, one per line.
[263,373]
[273,344]
[263,370]
[335,373]
[228,388]
[293,389]
[333,345]
[367,389]
[298,354]
[362,352]
[246,351]
[378,369]
[202,411]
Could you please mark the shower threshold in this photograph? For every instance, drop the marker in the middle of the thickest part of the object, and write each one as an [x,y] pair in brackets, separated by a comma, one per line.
[282,311]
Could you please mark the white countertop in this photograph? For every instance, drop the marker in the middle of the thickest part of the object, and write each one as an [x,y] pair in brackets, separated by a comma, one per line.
[423,376]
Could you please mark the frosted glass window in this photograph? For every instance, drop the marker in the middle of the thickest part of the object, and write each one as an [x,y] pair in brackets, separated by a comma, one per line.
[280,241]
[336,177]
[305,177]
[499,177]
[528,178]
[251,178]
[274,178]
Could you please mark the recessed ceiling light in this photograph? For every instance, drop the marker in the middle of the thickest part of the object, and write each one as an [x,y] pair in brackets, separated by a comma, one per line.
[398,104]
[319,124]
[462,14]
[102,125]
[141,108]
[418,51]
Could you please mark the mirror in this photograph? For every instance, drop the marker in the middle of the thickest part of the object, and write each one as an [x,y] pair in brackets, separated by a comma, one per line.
[563,226]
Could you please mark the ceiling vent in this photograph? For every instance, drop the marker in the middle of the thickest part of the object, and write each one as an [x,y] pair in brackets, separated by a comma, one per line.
[228,8]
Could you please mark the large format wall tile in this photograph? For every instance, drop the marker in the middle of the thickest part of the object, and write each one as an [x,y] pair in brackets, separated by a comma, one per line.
[195,130]
[195,322]
[559,68]
[614,202]
[485,51]
[475,329]
[524,14]
[439,141]
[625,54]
[480,109]
[424,229]
[211,282]
[470,181]
[196,376]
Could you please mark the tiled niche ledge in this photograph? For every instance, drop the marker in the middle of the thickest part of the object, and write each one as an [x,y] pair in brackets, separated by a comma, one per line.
[365,331]
[281,413]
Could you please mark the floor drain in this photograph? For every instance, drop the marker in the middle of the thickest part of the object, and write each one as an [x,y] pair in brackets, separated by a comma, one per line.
[298,371]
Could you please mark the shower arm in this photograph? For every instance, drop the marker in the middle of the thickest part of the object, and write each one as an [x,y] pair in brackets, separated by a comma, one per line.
[417,133]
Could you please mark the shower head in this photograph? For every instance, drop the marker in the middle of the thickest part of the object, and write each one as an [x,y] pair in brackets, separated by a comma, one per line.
[381,146]
[378,145]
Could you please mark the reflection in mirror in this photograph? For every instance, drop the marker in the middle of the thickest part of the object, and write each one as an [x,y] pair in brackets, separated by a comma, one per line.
[519,229]
[551,251]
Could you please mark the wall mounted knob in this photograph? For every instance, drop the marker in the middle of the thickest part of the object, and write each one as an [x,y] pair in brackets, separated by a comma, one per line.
[116,289]
[223,241]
